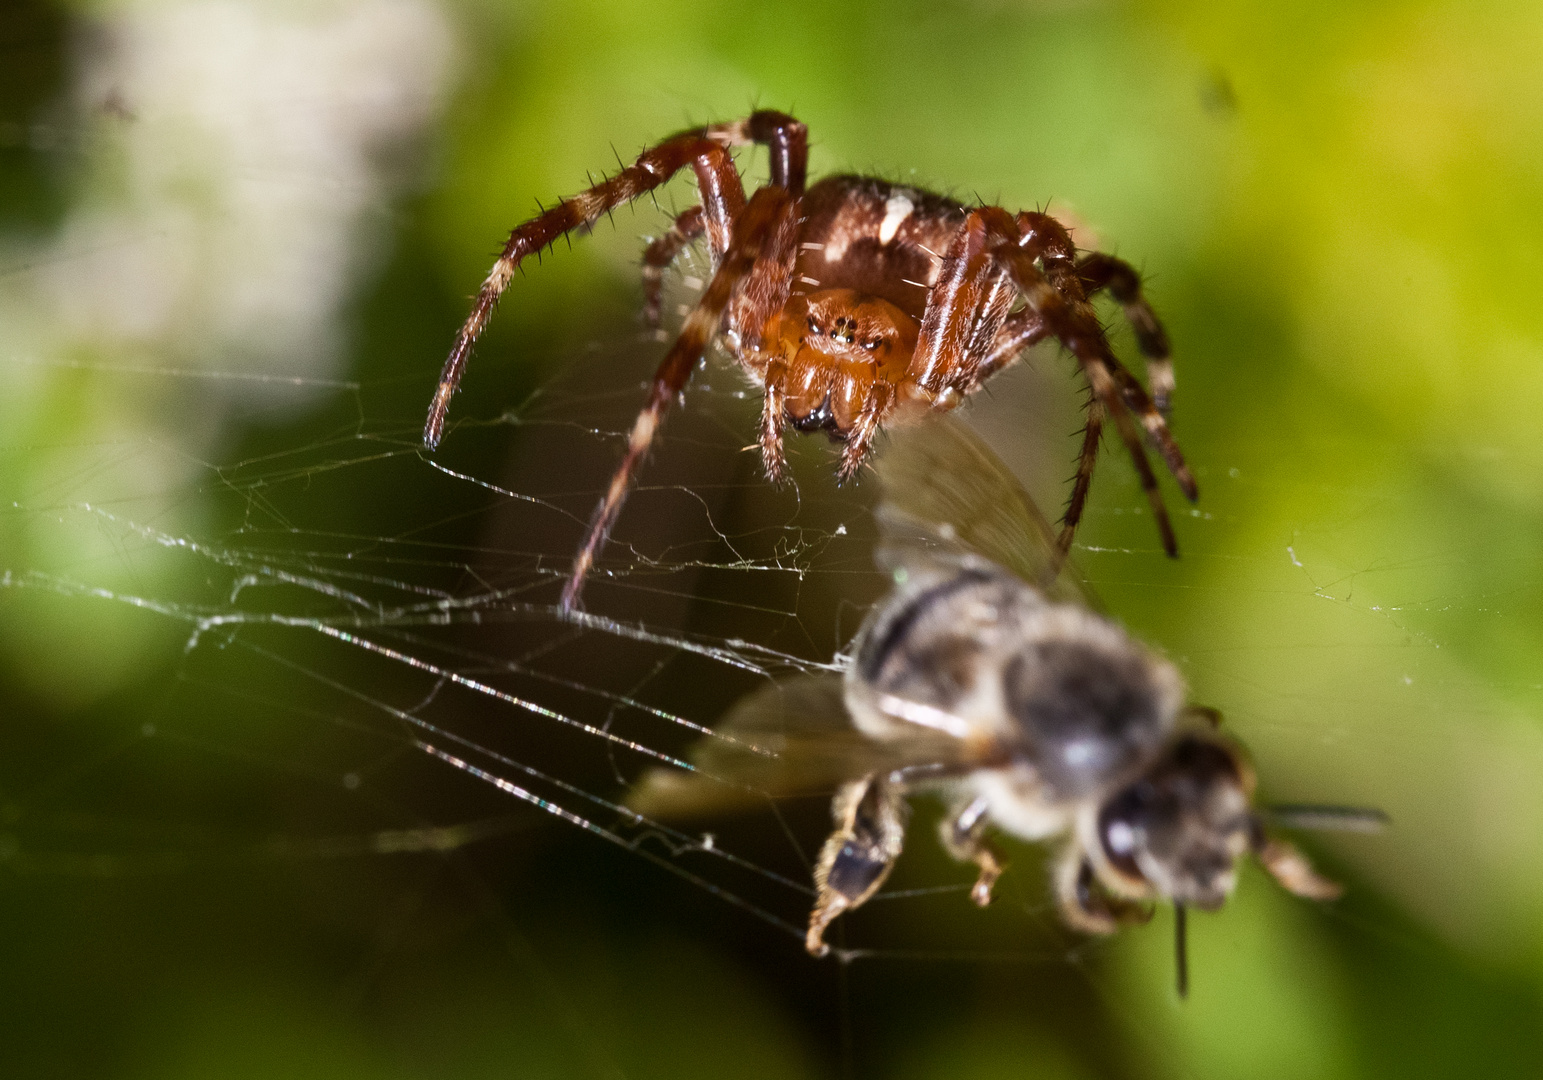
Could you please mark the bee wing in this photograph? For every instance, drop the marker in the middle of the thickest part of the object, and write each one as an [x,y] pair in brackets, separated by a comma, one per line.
[947,500]
[792,737]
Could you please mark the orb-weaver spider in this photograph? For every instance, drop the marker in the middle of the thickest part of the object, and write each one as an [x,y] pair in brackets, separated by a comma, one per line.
[851,303]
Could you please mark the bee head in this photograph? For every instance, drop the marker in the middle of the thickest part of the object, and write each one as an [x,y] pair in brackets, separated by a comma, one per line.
[1177,830]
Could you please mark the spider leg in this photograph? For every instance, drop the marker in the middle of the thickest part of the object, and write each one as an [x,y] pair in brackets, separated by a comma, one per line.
[723,197]
[964,337]
[1122,420]
[773,407]
[1092,435]
[1046,239]
[1072,320]
[661,253]
[943,359]
[1099,271]
[989,243]
[765,292]
[1043,236]
[1021,330]
[860,439]
[721,191]
[1134,396]
[1102,380]
[1026,327]
[786,138]
[760,225]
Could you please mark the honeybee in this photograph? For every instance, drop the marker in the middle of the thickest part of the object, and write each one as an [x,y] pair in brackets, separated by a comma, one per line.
[990,677]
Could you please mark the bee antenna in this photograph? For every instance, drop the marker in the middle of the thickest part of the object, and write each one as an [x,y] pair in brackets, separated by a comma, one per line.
[1323,818]
[1181,948]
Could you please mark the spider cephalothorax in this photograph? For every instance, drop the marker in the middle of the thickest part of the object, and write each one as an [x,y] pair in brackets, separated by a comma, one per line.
[852,303]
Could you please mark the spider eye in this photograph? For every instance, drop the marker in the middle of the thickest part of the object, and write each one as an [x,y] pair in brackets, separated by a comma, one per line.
[872,346]
[814,327]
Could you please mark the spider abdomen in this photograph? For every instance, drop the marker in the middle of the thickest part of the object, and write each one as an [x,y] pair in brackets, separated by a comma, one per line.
[873,237]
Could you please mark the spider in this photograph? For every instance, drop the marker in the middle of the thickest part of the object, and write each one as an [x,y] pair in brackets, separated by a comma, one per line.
[852,303]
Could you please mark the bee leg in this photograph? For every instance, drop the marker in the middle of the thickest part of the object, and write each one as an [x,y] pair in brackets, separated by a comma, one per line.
[963,839]
[1085,904]
[870,819]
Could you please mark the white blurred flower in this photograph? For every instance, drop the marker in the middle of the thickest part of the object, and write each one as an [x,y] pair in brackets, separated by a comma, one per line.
[246,177]
[234,164]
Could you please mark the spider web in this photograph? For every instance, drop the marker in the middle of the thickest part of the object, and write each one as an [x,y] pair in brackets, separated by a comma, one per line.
[447,653]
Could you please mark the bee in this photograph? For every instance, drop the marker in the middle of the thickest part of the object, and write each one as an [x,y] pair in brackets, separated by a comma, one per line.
[990,677]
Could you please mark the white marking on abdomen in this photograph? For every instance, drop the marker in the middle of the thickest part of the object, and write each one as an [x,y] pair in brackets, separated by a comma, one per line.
[896,209]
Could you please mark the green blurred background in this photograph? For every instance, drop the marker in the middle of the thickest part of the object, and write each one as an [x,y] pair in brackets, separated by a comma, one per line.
[236,237]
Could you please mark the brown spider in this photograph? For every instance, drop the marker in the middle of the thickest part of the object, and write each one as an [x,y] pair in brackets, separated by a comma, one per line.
[853,303]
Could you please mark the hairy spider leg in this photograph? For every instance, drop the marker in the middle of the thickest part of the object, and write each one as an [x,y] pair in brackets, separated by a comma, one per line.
[881,398]
[1104,388]
[967,345]
[723,196]
[1021,330]
[788,141]
[1082,482]
[1072,320]
[1025,328]
[968,278]
[987,242]
[774,405]
[971,269]
[968,282]
[658,256]
[1042,236]
[1099,271]
[766,221]
[1059,251]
